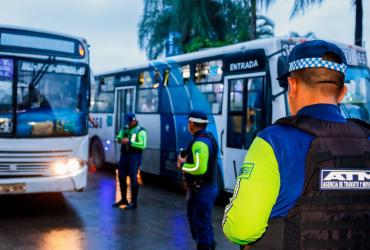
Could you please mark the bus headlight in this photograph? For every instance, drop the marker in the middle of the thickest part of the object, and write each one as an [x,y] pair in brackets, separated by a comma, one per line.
[67,167]
[73,165]
[60,168]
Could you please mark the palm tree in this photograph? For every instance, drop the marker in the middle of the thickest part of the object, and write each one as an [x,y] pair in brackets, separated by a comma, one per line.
[253,14]
[301,5]
[265,27]
[194,24]
[154,26]
[307,35]
[190,19]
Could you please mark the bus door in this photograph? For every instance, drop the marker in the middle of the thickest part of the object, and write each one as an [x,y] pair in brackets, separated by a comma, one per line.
[245,99]
[125,103]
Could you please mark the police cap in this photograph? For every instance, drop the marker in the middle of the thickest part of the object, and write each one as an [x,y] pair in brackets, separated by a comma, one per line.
[309,55]
[198,117]
[129,117]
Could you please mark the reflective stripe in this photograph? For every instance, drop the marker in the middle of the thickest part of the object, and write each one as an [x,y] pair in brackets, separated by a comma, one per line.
[197,120]
[196,164]
[133,137]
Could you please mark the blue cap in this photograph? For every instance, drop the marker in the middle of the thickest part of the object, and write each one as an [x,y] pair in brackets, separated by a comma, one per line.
[309,55]
[129,117]
[198,117]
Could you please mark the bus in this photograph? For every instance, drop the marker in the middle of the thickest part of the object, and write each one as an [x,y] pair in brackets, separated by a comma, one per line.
[235,85]
[44,103]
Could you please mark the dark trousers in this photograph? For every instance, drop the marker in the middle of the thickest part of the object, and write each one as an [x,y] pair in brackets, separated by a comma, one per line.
[199,208]
[129,166]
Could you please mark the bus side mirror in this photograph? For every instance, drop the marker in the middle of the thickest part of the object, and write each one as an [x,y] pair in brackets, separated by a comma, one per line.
[282,68]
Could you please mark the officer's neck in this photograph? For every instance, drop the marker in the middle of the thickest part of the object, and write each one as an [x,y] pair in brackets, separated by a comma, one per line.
[197,131]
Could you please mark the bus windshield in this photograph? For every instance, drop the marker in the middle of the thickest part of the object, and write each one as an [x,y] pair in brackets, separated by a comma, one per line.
[356,103]
[53,105]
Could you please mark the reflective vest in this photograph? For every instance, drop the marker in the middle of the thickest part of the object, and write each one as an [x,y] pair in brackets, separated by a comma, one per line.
[132,135]
[333,211]
[210,176]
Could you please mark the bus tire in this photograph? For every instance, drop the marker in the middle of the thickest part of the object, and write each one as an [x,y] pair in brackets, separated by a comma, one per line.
[97,154]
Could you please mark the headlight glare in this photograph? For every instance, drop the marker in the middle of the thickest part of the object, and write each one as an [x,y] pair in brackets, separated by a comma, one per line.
[73,165]
[60,168]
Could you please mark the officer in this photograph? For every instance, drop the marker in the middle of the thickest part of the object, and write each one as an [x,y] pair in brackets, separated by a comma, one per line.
[304,181]
[199,164]
[134,140]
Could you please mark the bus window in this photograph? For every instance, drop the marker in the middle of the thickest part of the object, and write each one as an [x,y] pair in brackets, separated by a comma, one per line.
[103,102]
[185,73]
[156,79]
[145,81]
[148,81]
[6,96]
[148,95]
[210,71]
[213,93]
[147,101]
[107,83]
[102,95]
[245,111]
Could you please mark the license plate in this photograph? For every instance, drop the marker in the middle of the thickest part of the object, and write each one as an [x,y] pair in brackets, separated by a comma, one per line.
[13,188]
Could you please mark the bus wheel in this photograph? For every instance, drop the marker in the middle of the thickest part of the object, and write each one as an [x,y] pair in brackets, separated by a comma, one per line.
[97,154]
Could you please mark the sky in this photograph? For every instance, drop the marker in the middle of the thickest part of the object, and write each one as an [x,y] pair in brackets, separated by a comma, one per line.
[110,26]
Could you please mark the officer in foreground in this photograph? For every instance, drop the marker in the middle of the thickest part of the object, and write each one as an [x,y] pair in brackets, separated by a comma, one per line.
[199,164]
[134,140]
[304,183]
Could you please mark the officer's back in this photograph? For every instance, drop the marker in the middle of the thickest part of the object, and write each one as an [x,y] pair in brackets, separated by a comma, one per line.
[294,179]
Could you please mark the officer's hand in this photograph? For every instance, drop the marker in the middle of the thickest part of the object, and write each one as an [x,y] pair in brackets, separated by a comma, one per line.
[125,141]
[180,160]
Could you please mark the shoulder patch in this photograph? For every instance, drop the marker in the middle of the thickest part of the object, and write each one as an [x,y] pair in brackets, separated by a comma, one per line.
[246,170]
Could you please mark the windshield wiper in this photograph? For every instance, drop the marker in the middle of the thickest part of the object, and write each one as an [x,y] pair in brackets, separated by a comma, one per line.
[40,74]
[37,77]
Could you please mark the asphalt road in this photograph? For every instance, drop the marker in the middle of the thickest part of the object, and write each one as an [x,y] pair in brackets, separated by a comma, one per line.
[87,220]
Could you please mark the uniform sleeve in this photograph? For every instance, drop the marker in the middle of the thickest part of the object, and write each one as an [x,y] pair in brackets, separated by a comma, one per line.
[120,135]
[256,191]
[141,141]
[200,153]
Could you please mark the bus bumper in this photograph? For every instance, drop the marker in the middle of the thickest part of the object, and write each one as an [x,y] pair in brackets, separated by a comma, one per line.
[48,184]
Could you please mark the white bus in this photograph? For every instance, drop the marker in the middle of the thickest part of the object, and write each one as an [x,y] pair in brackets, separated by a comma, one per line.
[44,100]
[236,85]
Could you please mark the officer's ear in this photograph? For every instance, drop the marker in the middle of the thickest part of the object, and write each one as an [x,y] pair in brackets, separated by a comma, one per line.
[292,86]
[342,92]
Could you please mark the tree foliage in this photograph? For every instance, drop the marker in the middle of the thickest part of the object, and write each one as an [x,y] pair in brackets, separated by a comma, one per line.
[307,35]
[300,6]
[198,24]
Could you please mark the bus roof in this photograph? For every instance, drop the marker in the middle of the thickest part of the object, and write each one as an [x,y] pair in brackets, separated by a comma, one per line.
[270,45]
[16,40]
[26,29]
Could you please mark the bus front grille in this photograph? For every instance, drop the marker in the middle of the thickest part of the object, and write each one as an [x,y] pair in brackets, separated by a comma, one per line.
[30,163]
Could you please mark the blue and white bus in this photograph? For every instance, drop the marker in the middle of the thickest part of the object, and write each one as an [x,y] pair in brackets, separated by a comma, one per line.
[44,99]
[234,84]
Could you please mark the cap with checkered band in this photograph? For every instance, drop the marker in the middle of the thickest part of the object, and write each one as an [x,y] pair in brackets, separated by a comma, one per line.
[309,55]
